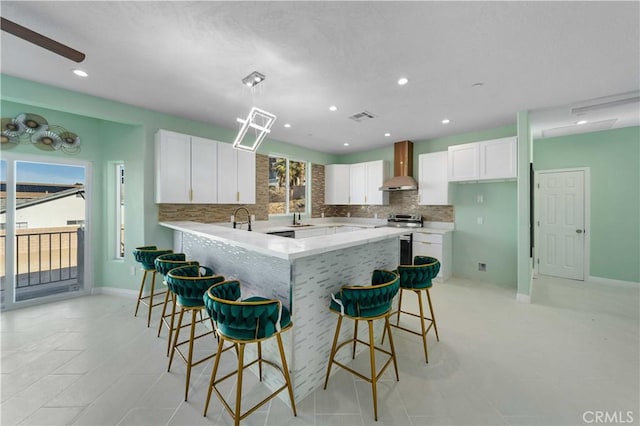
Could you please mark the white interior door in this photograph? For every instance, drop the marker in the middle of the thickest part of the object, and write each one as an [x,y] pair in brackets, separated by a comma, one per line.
[562,224]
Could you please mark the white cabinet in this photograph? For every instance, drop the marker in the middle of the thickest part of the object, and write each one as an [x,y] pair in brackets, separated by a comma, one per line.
[336,184]
[365,180]
[463,162]
[437,245]
[485,160]
[236,175]
[185,169]
[433,185]
[499,159]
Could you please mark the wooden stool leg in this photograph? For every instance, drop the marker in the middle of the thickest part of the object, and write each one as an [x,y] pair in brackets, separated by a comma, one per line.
[285,370]
[333,350]
[144,278]
[355,337]
[213,376]
[164,311]
[175,338]
[387,325]
[173,315]
[190,356]
[433,315]
[373,370]
[153,289]
[422,325]
[260,359]
[239,384]
[399,306]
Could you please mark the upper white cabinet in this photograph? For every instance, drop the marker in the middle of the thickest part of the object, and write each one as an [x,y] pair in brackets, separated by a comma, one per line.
[356,183]
[485,160]
[499,158]
[236,175]
[433,185]
[336,184]
[365,180]
[185,168]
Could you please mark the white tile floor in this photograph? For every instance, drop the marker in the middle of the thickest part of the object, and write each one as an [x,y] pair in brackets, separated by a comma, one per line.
[88,361]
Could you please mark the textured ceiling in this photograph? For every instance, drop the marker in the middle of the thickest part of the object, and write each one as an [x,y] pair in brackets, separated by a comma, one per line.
[188,58]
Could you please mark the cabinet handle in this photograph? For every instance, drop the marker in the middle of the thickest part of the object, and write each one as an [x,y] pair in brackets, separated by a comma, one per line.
[191,195]
[365,198]
[425,243]
[238,196]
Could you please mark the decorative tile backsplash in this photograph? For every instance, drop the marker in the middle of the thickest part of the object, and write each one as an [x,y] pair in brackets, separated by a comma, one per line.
[399,202]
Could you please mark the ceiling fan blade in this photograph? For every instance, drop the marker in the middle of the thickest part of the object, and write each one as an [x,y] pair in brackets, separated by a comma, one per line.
[40,40]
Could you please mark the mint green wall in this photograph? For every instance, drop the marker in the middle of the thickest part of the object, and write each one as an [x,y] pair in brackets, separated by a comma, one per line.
[613,157]
[112,132]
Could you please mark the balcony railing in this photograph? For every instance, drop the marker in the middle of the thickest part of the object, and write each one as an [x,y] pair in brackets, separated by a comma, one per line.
[46,261]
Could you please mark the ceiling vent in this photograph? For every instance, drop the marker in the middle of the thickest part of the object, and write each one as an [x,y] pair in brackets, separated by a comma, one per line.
[579,128]
[605,105]
[361,116]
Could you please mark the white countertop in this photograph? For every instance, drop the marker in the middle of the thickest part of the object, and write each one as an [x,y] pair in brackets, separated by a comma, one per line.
[287,248]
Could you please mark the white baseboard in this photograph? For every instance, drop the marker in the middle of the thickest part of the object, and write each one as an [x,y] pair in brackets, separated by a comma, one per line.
[523,298]
[114,291]
[609,281]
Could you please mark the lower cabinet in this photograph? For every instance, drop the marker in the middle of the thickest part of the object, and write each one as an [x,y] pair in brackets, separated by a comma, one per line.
[436,245]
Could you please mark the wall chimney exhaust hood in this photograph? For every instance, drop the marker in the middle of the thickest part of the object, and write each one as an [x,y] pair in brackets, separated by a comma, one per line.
[402,169]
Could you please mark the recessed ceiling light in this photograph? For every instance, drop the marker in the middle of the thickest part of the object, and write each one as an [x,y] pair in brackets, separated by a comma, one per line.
[80,73]
[478,84]
[333,108]
[387,134]
[582,122]
[287,125]
[446,121]
[403,81]
[346,144]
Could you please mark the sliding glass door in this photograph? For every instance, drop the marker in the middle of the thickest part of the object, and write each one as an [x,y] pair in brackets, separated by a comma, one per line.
[44,229]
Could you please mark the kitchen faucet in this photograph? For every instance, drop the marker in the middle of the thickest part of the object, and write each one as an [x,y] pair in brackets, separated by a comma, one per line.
[248,221]
[296,206]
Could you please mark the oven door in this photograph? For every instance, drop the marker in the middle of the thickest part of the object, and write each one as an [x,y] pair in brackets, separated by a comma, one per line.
[406,249]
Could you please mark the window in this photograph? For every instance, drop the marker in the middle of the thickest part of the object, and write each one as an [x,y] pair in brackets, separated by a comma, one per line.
[287,185]
[119,186]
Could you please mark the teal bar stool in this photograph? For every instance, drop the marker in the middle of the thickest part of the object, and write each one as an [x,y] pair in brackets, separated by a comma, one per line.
[242,322]
[189,284]
[366,303]
[146,256]
[164,264]
[417,278]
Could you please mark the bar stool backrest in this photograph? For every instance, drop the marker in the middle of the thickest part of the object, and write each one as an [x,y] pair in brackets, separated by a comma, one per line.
[167,262]
[252,319]
[373,300]
[190,283]
[420,274]
[146,255]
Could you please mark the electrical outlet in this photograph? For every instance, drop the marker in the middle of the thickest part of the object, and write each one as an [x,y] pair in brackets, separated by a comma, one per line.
[133,270]
[480,199]
[482,267]
[480,220]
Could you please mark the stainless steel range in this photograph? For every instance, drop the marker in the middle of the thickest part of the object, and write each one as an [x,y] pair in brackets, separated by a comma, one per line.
[408,221]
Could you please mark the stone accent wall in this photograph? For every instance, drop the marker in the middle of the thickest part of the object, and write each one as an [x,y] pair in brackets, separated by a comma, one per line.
[399,202]
[209,213]
[317,190]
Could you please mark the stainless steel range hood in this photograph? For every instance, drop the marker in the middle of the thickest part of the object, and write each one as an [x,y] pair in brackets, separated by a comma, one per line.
[403,169]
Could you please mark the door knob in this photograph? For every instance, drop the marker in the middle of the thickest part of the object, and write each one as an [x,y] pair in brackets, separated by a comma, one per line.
[578,231]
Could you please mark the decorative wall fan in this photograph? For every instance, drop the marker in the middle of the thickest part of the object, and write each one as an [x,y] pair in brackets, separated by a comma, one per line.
[40,40]
[36,129]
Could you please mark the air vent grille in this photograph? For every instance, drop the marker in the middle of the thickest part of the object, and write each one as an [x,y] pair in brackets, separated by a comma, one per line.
[361,116]
[579,128]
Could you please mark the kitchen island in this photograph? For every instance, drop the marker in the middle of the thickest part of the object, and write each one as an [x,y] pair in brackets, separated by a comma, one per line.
[302,273]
